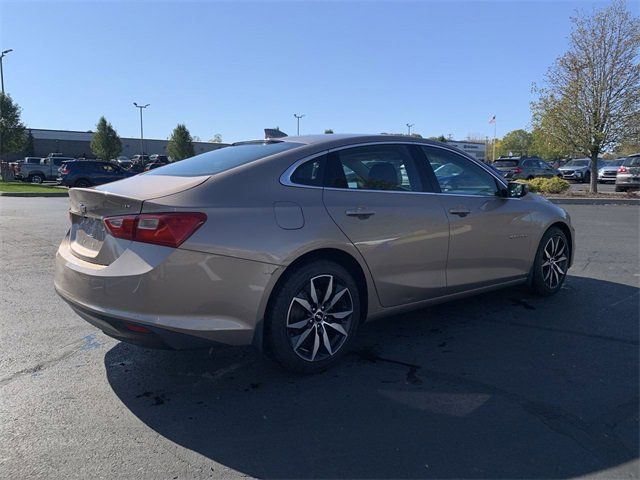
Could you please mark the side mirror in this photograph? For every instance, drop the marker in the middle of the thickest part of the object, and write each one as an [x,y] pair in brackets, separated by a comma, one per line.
[517,190]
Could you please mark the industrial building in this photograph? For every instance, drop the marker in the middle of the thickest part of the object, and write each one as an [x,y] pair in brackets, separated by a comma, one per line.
[475,149]
[78,144]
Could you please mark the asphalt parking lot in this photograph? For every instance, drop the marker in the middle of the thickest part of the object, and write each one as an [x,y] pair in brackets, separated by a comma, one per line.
[503,385]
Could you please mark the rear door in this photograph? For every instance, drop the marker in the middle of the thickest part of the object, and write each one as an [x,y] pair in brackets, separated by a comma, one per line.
[490,234]
[376,196]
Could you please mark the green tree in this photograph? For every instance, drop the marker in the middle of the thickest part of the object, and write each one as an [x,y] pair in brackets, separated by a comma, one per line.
[592,95]
[217,138]
[12,130]
[547,146]
[516,142]
[29,145]
[180,144]
[328,131]
[105,143]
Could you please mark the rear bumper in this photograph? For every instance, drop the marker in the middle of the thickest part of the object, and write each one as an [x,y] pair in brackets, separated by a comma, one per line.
[185,299]
[627,180]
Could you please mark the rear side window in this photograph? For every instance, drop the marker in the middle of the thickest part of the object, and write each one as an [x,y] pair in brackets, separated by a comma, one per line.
[632,162]
[310,173]
[375,167]
[222,159]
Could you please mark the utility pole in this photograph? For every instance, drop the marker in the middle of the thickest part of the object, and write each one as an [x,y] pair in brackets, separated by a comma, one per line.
[141,130]
[298,117]
[409,125]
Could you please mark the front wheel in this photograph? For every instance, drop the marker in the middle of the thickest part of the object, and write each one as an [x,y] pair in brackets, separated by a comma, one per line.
[551,262]
[313,317]
[620,189]
[586,178]
[82,184]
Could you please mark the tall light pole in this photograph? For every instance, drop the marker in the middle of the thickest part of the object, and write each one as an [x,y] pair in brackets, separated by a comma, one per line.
[298,117]
[141,129]
[409,125]
[2,55]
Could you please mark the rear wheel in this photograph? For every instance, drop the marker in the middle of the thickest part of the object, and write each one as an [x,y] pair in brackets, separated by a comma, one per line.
[620,189]
[313,317]
[82,184]
[586,178]
[36,178]
[551,262]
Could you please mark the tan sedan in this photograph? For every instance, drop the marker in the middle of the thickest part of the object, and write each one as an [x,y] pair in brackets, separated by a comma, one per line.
[291,244]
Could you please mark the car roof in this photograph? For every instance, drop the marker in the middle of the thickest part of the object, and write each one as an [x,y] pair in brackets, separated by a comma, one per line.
[347,138]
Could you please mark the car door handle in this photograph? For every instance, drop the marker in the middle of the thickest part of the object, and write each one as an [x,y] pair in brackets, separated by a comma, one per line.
[460,211]
[360,212]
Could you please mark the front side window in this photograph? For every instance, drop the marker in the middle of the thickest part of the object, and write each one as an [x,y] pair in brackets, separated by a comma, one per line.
[458,175]
[374,167]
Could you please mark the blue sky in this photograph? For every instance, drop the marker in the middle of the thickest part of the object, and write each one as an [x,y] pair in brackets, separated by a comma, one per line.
[236,67]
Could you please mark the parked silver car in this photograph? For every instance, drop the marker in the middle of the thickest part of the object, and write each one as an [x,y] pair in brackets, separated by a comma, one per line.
[291,244]
[578,169]
[609,170]
[628,177]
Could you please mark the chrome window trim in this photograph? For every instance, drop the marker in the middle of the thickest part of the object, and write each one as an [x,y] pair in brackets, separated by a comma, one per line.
[285,178]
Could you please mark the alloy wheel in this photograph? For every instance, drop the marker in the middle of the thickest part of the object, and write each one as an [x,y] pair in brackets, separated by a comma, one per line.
[319,318]
[555,261]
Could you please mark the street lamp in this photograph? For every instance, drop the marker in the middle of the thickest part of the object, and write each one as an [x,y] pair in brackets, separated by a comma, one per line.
[2,55]
[298,117]
[141,130]
[409,125]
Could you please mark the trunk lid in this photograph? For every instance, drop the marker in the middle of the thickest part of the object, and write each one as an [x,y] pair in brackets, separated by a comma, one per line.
[88,237]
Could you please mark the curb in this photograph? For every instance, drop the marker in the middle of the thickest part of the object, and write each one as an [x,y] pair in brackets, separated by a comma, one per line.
[34,194]
[594,201]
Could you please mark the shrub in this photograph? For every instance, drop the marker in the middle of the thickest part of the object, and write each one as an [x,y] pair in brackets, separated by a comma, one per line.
[547,185]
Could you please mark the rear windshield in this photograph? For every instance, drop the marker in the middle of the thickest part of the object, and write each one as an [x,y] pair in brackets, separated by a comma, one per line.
[505,163]
[632,162]
[222,159]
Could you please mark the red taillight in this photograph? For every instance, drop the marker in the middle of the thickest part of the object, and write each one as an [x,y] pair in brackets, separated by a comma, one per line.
[622,169]
[169,229]
[136,328]
[517,170]
[64,170]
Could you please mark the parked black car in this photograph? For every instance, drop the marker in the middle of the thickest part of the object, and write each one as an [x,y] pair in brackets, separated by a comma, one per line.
[86,173]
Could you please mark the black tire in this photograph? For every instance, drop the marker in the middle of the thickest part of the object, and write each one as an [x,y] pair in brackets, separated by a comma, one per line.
[36,178]
[296,334]
[530,177]
[620,189]
[82,183]
[587,178]
[547,279]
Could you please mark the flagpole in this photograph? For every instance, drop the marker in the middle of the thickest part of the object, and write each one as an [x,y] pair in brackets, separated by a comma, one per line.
[494,138]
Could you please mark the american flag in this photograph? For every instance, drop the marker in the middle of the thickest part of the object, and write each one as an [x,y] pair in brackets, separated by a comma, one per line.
[493,119]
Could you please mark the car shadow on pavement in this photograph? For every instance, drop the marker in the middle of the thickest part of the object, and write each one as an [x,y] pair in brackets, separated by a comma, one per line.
[502,385]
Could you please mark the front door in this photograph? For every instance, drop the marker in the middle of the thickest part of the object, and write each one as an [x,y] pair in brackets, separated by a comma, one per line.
[375,194]
[490,235]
